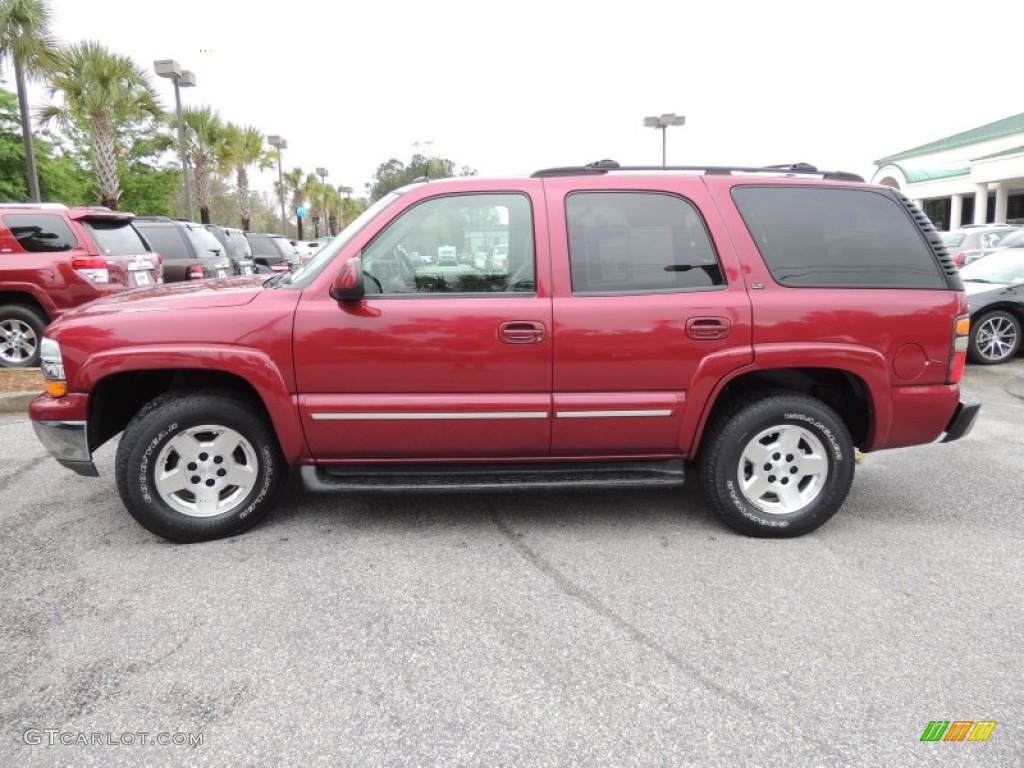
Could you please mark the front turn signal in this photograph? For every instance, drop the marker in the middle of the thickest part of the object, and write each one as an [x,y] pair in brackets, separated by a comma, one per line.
[56,388]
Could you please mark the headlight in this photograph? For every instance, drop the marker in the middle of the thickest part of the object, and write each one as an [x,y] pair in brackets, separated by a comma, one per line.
[52,365]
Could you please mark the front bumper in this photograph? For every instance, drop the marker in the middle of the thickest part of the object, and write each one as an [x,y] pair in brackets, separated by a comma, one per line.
[963,419]
[68,443]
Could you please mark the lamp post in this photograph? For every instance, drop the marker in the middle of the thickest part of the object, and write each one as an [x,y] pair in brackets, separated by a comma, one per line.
[182,79]
[278,143]
[663,122]
[322,173]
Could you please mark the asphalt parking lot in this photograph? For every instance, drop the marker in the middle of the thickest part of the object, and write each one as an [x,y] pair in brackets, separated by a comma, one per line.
[592,628]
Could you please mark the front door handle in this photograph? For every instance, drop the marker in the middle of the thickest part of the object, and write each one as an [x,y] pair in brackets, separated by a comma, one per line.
[521,332]
[704,328]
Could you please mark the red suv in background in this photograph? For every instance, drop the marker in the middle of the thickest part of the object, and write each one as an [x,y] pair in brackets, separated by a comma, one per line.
[53,258]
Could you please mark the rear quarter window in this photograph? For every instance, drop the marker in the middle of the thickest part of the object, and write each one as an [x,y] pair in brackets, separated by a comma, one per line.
[828,237]
[40,233]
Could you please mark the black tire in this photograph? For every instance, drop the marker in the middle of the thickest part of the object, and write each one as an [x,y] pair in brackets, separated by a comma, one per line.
[995,338]
[791,492]
[163,433]
[21,334]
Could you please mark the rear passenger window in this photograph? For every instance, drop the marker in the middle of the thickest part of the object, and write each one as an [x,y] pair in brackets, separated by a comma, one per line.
[638,242]
[837,238]
[40,233]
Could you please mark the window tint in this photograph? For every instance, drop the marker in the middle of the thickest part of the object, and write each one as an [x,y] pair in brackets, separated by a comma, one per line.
[166,241]
[459,244]
[638,242]
[840,238]
[116,238]
[263,246]
[40,233]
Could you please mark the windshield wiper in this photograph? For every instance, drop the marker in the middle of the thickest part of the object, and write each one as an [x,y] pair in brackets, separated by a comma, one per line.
[273,279]
[976,280]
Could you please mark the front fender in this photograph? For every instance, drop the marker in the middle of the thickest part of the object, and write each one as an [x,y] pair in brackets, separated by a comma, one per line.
[273,386]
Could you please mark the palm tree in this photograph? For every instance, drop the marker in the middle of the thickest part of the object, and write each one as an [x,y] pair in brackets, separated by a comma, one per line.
[245,148]
[314,191]
[294,183]
[205,145]
[26,41]
[105,93]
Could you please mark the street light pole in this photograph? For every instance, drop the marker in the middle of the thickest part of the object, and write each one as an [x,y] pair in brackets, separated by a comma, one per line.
[663,122]
[182,79]
[279,144]
[322,173]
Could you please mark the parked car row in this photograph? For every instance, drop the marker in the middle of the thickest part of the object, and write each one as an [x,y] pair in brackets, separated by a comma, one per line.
[53,258]
[973,241]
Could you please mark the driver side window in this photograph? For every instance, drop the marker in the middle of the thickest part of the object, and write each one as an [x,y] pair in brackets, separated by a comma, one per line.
[459,244]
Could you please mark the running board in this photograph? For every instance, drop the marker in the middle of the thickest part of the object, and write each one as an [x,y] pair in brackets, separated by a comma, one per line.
[492,477]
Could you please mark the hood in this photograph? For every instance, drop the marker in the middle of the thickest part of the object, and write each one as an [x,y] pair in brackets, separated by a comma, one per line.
[166,297]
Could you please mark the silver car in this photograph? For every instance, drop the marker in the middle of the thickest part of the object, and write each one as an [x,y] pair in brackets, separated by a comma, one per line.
[970,243]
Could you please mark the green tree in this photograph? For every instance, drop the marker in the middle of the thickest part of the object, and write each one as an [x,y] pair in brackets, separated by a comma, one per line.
[393,173]
[26,41]
[106,95]
[244,148]
[295,185]
[206,143]
[62,176]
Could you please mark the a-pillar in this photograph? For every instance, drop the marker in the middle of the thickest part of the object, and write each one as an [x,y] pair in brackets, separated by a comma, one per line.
[1002,199]
[956,212]
[980,203]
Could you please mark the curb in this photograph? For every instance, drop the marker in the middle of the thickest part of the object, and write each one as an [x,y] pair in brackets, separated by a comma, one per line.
[16,402]
[1015,386]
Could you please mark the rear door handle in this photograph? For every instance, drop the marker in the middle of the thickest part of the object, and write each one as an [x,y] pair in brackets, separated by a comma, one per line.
[521,332]
[704,328]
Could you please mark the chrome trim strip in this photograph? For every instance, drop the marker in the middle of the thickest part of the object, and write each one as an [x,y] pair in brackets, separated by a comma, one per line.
[612,414]
[428,416]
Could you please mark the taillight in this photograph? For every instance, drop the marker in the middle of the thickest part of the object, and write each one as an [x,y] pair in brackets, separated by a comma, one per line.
[959,259]
[195,272]
[961,335]
[92,268]
[280,266]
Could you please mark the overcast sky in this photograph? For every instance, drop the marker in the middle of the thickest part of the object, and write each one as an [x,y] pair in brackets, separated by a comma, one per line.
[510,87]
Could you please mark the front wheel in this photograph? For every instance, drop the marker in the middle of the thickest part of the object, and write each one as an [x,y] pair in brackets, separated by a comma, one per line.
[995,338]
[198,466]
[777,467]
[21,333]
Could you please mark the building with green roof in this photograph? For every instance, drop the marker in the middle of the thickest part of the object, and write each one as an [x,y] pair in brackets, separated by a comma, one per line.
[972,177]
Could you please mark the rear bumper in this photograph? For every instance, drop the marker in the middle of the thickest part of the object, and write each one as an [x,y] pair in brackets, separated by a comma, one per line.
[68,443]
[962,421]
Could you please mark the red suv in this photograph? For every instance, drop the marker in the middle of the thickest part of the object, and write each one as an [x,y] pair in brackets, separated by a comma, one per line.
[759,324]
[53,258]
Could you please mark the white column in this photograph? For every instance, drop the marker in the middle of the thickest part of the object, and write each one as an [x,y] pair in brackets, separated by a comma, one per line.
[919,204]
[1002,199]
[956,212]
[980,203]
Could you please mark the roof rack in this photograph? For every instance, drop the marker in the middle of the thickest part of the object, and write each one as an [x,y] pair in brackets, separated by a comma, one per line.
[603,166]
[153,218]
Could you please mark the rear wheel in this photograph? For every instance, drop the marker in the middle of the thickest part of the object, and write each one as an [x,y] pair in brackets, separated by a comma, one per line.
[995,338]
[21,332]
[198,466]
[778,466]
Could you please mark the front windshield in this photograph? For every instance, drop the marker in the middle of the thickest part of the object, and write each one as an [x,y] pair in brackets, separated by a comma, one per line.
[305,274]
[998,267]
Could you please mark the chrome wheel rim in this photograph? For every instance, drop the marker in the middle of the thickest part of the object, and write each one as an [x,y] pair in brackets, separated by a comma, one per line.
[997,338]
[18,342]
[206,471]
[783,469]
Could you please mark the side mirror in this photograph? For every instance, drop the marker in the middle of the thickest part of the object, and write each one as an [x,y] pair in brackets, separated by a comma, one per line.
[348,283]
